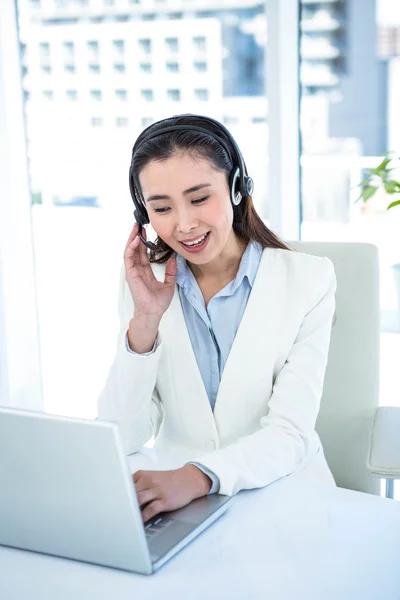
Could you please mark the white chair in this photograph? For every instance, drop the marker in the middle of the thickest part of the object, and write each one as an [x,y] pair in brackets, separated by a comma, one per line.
[361,441]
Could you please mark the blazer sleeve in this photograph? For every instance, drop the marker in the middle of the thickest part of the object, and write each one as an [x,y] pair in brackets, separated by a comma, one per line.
[129,397]
[280,447]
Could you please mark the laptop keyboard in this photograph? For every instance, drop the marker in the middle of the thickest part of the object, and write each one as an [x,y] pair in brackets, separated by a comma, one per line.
[156,526]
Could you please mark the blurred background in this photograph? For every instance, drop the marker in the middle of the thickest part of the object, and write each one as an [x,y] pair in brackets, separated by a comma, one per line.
[94,73]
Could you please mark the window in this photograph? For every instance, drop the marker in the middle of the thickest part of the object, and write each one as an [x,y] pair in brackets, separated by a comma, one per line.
[44,49]
[172,44]
[119,68]
[121,95]
[96,121]
[93,48]
[174,95]
[146,67]
[69,68]
[45,69]
[146,121]
[48,94]
[200,67]
[94,69]
[258,120]
[172,67]
[201,94]
[145,45]
[68,48]
[147,95]
[230,121]
[109,2]
[119,46]
[121,121]
[199,43]
[71,95]
[96,95]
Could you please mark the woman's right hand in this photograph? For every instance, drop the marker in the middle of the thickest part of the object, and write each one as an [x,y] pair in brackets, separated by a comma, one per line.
[151,297]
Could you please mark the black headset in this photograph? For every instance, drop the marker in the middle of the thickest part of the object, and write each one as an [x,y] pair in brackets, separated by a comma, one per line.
[240,184]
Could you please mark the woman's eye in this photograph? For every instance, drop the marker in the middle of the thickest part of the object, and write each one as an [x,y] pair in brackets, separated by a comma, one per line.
[161,210]
[200,200]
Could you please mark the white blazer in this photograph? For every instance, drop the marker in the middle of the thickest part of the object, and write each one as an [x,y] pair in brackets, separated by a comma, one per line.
[263,424]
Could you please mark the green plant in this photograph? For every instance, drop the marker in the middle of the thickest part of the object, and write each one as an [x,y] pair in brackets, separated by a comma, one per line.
[381,178]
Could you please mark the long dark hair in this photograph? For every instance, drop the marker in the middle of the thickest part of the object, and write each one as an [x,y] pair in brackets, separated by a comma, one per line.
[247,224]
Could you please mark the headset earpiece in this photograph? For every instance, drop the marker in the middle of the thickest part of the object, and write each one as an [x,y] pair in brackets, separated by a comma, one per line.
[236,196]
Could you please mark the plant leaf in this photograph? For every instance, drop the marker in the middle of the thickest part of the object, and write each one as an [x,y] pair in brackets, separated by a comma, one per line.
[368,192]
[382,166]
[395,203]
[391,186]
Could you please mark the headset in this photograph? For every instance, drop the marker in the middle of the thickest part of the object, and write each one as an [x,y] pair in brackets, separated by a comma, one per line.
[240,184]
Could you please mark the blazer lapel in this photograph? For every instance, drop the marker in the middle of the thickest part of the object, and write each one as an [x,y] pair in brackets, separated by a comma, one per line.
[254,343]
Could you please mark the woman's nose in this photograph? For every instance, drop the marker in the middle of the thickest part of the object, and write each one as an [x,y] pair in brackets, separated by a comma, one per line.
[185,222]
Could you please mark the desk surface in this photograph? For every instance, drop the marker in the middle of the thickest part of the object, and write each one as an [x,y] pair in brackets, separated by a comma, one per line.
[293,540]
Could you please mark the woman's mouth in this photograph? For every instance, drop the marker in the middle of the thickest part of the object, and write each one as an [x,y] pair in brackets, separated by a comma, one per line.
[197,245]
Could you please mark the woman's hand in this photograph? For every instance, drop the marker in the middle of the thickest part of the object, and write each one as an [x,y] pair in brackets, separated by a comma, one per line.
[162,491]
[151,298]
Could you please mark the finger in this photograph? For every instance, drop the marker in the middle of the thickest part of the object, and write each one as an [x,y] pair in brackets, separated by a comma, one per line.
[152,509]
[144,254]
[132,235]
[147,496]
[131,253]
[142,481]
[170,271]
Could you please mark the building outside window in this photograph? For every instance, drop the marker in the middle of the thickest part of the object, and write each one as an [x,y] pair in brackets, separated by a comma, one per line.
[96,95]
[119,67]
[174,95]
[69,68]
[122,121]
[200,43]
[95,68]
[200,67]
[119,46]
[146,67]
[201,94]
[71,95]
[68,49]
[121,95]
[145,45]
[146,121]
[172,44]
[172,67]
[44,49]
[93,48]
[96,121]
[45,69]
[147,95]
[48,94]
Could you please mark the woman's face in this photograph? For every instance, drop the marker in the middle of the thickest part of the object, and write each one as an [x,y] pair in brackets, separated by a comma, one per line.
[187,199]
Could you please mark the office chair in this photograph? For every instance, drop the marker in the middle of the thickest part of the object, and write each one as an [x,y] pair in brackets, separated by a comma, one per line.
[361,440]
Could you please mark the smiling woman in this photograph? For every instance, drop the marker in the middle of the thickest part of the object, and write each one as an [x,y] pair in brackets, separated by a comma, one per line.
[224,330]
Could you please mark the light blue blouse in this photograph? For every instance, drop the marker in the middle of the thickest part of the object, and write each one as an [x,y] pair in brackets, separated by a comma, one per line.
[212,329]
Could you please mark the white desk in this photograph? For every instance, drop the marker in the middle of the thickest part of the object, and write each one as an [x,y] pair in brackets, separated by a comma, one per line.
[293,540]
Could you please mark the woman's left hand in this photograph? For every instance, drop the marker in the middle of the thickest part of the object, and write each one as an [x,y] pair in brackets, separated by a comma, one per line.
[162,491]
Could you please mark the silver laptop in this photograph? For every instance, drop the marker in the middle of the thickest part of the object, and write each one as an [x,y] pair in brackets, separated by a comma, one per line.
[66,490]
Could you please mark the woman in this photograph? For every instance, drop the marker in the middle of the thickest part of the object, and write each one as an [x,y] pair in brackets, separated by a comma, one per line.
[224,330]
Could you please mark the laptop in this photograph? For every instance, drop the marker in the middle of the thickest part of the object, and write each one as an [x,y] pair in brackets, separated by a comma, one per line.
[66,490]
